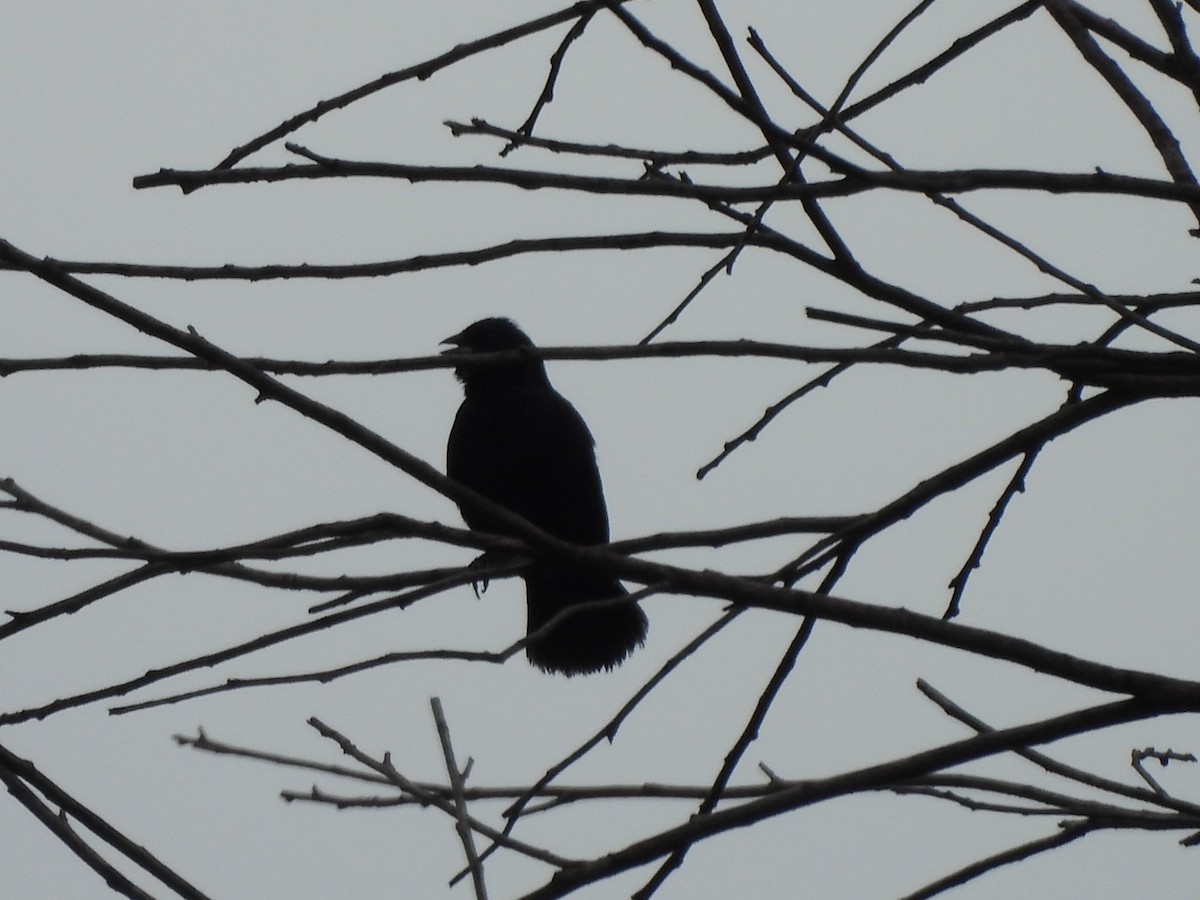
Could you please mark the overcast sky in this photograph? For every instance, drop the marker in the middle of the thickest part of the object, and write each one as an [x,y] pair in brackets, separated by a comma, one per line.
[1096,558]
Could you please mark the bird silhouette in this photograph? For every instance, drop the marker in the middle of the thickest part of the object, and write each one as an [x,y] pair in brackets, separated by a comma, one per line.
[520,443]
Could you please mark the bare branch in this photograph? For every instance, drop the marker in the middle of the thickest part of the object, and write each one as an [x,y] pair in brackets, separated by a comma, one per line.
[419,72]
[462,820]
[23,779]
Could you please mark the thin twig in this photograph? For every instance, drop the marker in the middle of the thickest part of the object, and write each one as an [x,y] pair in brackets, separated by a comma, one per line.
[958,584]
[461,819]
[556,61]
[1065,835]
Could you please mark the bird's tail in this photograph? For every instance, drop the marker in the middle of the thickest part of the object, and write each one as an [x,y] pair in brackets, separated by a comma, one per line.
[587,640]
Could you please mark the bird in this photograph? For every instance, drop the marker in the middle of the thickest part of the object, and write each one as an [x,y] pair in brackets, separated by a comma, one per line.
[521,444]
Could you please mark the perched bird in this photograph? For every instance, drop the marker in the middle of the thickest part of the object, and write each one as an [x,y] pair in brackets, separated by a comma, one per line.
[518,442]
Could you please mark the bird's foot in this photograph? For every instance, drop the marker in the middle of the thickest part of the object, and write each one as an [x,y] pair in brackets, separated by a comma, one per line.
[493,563]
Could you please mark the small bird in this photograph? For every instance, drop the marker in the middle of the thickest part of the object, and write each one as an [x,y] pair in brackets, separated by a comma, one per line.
[519,442]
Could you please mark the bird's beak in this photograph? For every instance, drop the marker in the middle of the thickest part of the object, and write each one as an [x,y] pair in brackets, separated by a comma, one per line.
[453,343]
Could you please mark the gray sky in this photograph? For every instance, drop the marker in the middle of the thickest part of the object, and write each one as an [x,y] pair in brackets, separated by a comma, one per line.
[1096,558]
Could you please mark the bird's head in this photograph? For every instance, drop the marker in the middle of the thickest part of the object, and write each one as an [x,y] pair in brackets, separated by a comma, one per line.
[489,336]
[494,335]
